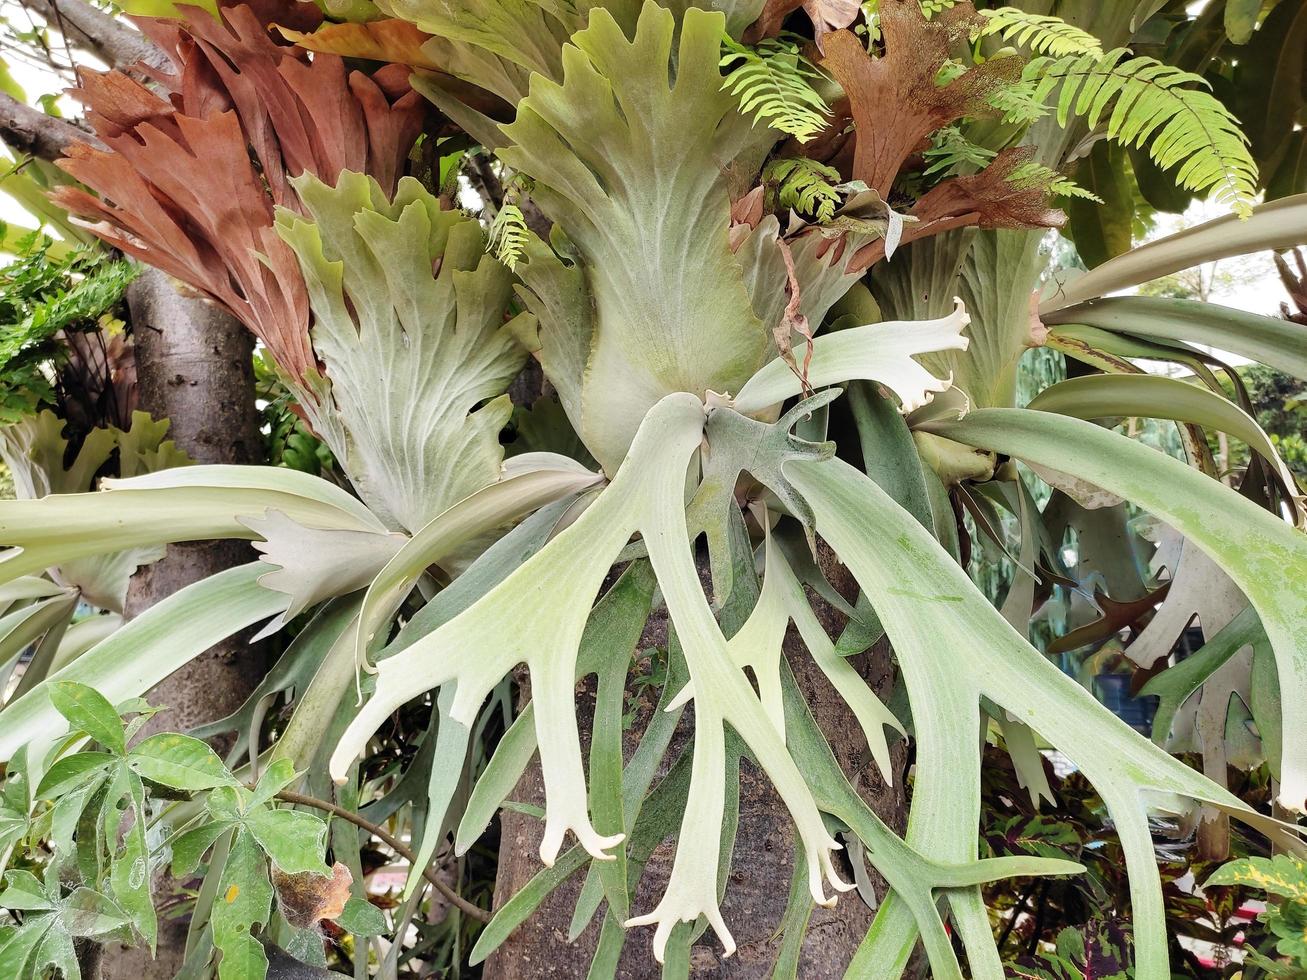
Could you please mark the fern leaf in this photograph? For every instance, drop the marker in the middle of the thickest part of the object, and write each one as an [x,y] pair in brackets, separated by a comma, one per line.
[1042,34]
[772,82]
[1145,103]
[807,186]
[950,152]
[1032,175]
[508,235]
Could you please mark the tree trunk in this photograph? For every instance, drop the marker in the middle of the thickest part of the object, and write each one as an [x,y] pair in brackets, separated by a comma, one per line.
[764,848]
[193,363]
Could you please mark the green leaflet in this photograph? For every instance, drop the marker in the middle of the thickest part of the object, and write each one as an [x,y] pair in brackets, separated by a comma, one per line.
[1257,550]
[932,611]
[615,114]
[409,355]
[148,649]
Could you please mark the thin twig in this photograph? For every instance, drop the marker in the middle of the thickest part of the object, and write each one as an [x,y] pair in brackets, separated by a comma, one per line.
[478,913]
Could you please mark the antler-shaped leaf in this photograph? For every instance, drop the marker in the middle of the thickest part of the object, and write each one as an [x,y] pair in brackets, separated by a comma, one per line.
[931,610]
[520,621]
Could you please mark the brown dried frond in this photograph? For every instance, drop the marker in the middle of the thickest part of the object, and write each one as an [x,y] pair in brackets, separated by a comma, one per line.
[188,182]
[896,100]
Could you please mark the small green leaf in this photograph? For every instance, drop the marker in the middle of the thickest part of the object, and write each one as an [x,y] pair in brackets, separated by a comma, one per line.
[179,761]
[71,772]
[24,892]
[362,918]
[275,778]
[88,913]
[294,840]
[16,953]
[189,849]
[88,711]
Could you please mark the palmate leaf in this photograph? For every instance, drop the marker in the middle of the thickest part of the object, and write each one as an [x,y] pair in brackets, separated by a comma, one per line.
[409,354]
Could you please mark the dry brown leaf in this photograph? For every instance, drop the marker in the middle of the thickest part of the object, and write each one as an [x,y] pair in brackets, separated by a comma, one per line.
[826,16]
[305,899]
[178,189]
[392,40]
[895,100]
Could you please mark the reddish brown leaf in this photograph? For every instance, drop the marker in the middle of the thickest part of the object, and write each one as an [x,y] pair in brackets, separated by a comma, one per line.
[178,188]
[895,99]
[826,16]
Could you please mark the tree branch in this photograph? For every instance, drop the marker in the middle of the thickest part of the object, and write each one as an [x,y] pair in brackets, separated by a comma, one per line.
[31,131]
[478,913]
[90,29]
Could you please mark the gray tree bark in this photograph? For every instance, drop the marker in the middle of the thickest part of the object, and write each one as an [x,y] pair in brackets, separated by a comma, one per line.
[764,847]
[193,363]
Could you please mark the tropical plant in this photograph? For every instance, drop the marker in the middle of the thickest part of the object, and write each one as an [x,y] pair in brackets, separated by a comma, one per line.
[703,346]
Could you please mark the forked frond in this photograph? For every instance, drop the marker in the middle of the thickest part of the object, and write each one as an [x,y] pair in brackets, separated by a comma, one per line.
[772,82]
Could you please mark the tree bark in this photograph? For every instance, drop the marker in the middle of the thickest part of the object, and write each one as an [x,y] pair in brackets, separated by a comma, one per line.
[193,368]
[96,32]
[764,847]
[30,131]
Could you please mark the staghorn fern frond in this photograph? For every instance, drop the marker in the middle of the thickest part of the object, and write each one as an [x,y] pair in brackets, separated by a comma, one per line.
[807,186]
[508,235]
[772,82]
[1145,103]
[1041,33]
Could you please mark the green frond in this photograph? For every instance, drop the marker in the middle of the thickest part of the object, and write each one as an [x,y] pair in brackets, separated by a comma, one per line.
[1041,33]
[771,82]
[1145,103]
[805,185]
[508,235]
[950,152]
[1029,175]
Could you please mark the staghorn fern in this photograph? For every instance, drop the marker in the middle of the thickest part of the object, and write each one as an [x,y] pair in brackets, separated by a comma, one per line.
[772,82]
[805,185]
[1146,103]
[1042,34]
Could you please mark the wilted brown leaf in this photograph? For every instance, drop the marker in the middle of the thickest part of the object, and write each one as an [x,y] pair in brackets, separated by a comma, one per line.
[306,899]
[826,16]
[392,40]
[896,100]
[177,185]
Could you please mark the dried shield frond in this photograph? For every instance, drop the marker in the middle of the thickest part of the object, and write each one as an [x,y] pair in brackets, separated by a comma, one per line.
[897,99]
[178,188]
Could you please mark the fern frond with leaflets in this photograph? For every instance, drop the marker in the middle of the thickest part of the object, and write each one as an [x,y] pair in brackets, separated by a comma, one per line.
[508,235]
[807,186]
[772,82]
[1145,103]
[1041,33]
[950,152]
[1053,182]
